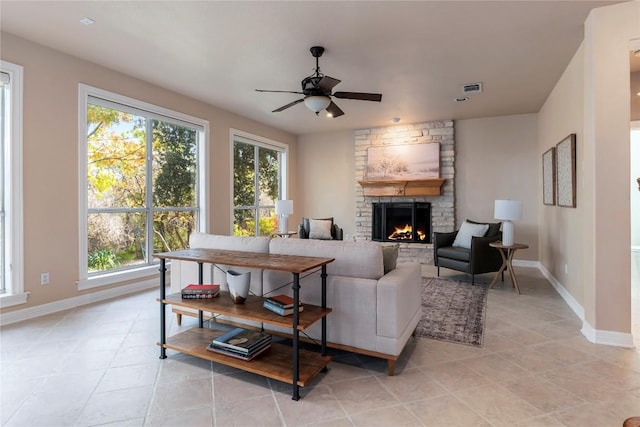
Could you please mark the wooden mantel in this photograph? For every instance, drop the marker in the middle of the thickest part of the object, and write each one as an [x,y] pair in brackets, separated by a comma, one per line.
[399,188]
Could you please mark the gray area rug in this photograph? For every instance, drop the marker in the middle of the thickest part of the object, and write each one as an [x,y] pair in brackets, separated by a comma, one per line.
[452,311]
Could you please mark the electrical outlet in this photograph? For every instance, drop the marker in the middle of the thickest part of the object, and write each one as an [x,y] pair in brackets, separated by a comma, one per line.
[44,278]
[566,269]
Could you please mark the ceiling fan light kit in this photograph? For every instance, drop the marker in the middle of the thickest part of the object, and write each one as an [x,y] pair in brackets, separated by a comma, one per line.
[317,103]
[317,90]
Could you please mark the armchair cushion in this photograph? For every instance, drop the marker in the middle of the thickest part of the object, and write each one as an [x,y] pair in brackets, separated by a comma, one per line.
[467,231]
[460,254]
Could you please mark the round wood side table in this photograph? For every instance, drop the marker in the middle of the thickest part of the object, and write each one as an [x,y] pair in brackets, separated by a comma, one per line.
[507,253]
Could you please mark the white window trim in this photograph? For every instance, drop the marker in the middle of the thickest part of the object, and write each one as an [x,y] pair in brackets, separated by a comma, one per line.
[263,142]
[84,92]
[15,232]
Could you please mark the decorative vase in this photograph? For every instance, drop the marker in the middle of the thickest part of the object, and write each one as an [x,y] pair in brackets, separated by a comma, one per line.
[238,285]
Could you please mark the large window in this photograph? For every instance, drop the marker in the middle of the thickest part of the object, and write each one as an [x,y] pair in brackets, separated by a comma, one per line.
[142,180]
[259,167]
[11,251]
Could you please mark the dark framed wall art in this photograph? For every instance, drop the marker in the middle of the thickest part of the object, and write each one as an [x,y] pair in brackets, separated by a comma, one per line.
[566,172]
[549,177]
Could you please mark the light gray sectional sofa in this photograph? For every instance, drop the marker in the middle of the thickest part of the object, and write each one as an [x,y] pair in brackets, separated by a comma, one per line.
[373,313]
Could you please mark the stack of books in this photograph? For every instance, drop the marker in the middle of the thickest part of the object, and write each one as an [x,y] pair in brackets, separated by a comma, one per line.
[281,304]
[200,291]
[241,343]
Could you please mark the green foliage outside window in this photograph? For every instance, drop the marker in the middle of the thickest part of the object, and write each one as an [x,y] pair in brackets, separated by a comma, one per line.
[117,187]
[255,189]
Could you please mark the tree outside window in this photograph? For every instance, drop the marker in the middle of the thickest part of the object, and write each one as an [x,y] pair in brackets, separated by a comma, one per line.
[141,186]
[257,184]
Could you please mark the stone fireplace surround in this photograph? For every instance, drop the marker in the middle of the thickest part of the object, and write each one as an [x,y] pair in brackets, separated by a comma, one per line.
[442,207]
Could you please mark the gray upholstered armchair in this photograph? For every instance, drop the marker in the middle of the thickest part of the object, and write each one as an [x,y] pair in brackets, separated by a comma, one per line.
[471,253]
[321,228]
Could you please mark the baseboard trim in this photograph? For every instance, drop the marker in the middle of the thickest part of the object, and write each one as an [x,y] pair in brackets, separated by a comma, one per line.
[616,339]
[69,303]
[566,295]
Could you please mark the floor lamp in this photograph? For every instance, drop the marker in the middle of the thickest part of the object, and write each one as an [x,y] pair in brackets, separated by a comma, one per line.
[284,208]
[507,211]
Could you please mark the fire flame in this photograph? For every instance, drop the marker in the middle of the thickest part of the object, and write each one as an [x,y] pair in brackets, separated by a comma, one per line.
[405,233]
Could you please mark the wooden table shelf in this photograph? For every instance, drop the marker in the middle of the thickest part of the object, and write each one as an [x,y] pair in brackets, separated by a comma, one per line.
[289,364]
[252,309]
[275,363]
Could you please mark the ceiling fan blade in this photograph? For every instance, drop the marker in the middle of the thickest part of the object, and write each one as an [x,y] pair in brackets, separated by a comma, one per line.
[291,104]
[279,91]
[327,83]
[359,96]
[334,110]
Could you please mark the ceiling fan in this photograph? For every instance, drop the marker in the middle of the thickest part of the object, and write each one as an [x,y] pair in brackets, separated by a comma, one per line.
[316,89]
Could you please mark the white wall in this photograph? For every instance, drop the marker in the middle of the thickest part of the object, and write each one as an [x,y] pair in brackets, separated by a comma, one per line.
[635,191]
[561,236]
[326,166]
[497,158]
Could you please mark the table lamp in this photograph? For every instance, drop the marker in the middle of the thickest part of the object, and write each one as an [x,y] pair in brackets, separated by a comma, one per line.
[284,208]
[507,211]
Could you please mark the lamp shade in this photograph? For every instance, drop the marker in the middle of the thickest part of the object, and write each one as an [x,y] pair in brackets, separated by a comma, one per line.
[508,210]
[317,103]
[284,207]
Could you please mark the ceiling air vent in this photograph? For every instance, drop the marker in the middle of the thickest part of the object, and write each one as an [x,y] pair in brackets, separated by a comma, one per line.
[472,88]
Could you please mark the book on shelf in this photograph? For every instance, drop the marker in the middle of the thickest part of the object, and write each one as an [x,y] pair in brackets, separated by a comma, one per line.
[242,340]
[282,300]
[199,296]
[280,310]
[232,353]
[200,291]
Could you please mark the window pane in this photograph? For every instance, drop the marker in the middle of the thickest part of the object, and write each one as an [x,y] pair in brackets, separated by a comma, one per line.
[269,176]
[243,174]
[4,119]
[116,151]
[244,222]
[171,230]
[268,222]
[174,165]
[115,240]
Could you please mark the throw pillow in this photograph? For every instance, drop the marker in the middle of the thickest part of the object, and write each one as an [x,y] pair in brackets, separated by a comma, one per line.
[319,229]
[494,227]
[466,232]
[390,257]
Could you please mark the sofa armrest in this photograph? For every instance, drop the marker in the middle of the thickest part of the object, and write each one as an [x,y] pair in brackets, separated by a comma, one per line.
[398,298]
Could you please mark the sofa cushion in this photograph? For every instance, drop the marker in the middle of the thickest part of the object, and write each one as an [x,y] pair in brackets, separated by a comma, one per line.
[390,257]
[452,252]
[320,229]
[231,243]
[467,231]
[352,259]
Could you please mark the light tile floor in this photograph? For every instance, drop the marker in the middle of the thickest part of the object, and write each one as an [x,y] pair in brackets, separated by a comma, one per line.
[99,365]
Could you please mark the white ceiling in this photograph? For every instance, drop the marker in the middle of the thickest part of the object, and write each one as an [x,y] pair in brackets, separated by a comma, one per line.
[416,53]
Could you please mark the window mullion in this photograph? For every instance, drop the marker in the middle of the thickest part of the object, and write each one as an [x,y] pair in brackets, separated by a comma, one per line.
[256,186]
[149,190]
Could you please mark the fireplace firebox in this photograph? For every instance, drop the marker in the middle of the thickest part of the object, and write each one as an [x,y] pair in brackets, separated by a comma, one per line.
[405,222]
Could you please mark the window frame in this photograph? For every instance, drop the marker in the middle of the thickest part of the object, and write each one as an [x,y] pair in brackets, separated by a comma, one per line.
[256,140]
[13,190]
[85,92]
